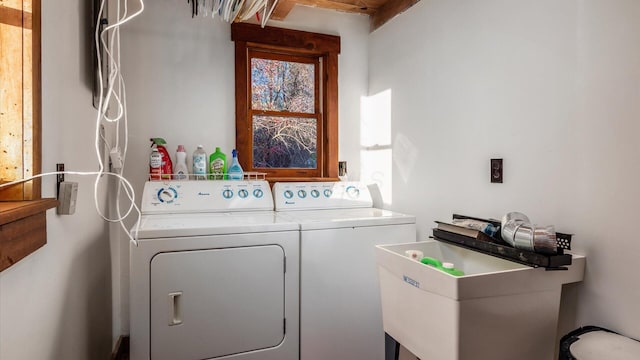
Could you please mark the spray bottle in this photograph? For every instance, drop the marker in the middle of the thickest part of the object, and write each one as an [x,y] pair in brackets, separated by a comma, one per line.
[235,170]
[167,166]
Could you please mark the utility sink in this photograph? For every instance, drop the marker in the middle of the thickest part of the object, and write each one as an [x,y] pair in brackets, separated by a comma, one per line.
[497,310]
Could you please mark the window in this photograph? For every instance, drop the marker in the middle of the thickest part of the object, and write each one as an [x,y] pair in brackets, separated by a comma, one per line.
[22,223]
[286,102]
[19,97]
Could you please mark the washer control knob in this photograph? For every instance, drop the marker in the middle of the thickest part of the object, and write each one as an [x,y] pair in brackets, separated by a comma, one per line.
[353,192]
[328,192]
[258,193]
[315,193]
[288,194]
[227,194]
[302,194]
[243,193]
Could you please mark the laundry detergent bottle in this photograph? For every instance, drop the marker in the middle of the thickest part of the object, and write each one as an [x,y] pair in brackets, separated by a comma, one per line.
[235,170]
[217,165]
[181,171]
[167,166]
[200,163]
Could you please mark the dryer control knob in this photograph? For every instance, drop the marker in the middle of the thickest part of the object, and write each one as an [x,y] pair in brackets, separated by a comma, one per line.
[227,194]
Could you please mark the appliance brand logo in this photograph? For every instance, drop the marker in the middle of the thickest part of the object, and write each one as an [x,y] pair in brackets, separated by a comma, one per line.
[204,194]
[411,281]
[289,202]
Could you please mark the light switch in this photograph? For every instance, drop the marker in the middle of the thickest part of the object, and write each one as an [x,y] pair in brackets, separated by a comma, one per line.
[496,170]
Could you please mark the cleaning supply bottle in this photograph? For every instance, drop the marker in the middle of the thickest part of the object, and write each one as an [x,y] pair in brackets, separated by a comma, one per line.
[235,170]
[181,171]
[199,164]
[167,166]
[217,165]
[449,268]
[442,266]
[155,164]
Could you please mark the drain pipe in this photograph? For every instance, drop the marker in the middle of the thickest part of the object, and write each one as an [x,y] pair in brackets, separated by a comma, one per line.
[518,232]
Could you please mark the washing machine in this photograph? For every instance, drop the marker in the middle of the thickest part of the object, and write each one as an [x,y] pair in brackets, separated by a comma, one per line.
[340,311]
[214,274]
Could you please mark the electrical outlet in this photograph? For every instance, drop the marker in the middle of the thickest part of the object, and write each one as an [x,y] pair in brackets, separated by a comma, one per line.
[59,178]
[496,171]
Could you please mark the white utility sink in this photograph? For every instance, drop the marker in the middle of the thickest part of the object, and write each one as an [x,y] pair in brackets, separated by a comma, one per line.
[498,310]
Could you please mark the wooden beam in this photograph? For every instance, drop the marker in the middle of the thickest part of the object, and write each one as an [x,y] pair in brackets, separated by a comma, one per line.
[282,9]
[336,5]
[390,10]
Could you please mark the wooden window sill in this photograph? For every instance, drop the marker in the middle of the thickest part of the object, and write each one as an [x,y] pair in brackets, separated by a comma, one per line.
[23,228]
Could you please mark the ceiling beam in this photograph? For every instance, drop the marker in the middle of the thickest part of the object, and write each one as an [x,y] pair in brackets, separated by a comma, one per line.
[390,10]
[282,9]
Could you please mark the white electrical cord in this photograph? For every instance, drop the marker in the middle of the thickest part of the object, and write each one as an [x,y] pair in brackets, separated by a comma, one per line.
[119,97]
[128,189]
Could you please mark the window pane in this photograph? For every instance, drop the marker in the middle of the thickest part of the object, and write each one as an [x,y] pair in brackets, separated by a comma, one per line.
[282,86]
[284,142]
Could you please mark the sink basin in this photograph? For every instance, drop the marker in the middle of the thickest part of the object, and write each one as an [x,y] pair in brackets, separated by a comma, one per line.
[498,309]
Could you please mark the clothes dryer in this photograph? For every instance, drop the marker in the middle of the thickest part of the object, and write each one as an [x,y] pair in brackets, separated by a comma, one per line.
[214,275]
[340,312]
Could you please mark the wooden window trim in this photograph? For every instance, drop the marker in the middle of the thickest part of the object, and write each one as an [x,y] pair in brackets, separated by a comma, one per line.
[326,47]
[23,222]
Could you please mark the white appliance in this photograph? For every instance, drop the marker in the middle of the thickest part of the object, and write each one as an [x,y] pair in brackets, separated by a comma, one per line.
[214,275]
[340,312]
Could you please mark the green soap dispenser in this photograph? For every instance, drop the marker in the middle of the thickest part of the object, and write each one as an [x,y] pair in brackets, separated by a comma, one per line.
[235,170]
[217,165]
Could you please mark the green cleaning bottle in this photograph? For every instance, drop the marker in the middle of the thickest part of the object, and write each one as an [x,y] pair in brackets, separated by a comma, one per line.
[448,268]
[445,267]
[217,165]
[431,261]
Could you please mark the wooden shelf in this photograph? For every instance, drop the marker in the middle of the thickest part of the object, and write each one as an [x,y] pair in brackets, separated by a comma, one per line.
[23,228]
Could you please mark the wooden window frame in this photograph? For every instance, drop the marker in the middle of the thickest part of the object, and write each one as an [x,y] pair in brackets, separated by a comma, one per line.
[254,53]
[326,48]
[22,210]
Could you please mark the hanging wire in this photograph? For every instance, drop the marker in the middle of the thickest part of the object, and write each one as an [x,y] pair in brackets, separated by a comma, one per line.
[234,10]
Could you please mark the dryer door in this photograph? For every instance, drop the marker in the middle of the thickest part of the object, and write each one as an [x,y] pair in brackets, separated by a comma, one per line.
[211,303]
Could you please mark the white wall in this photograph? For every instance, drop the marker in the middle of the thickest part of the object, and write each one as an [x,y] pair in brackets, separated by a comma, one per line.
[56,303]
[181,86]
[553,88]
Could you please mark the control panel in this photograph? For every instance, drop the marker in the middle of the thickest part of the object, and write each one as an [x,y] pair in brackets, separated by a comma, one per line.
[321,195]
[205,196]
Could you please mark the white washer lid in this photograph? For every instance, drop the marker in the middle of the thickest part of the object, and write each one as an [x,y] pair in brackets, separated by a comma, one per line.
[342,218]
[201,224]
